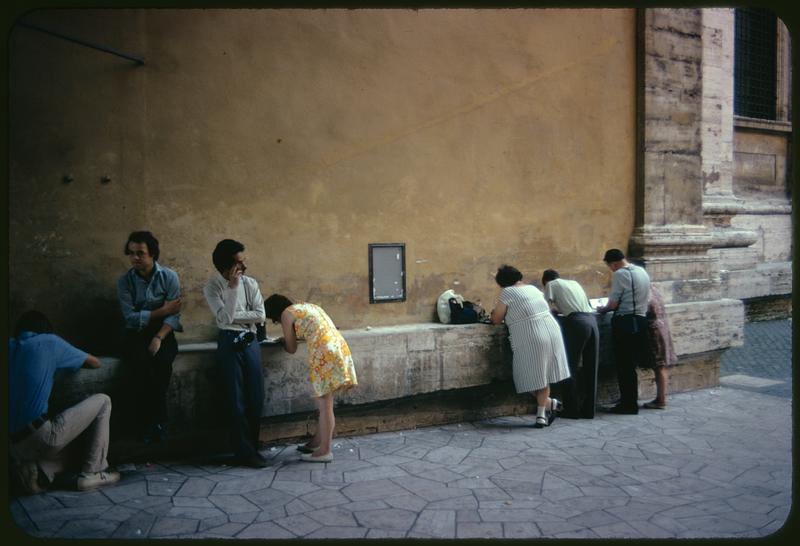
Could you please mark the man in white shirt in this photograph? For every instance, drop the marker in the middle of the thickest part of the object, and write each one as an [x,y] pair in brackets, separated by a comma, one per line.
[237,305]
[581,340]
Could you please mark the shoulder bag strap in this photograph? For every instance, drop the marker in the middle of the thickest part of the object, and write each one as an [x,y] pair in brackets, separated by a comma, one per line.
[633,289]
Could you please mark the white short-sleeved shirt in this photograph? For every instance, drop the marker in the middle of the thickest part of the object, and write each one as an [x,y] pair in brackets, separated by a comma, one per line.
[623,292]
[568,296]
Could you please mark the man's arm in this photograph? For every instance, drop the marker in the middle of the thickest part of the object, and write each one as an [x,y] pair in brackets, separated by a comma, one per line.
[614,296]
[258,314]
[610,306]
[91,362]
[137,320]
[173,312]
[550,297]
[221,300]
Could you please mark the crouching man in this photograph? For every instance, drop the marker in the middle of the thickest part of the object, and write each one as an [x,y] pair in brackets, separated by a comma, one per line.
[41,445]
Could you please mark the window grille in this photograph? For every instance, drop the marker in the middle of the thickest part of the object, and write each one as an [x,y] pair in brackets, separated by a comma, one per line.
[755,57]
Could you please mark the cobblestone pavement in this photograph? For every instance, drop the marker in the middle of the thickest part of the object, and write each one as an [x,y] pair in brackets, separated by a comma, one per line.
[764,363]
[715,463]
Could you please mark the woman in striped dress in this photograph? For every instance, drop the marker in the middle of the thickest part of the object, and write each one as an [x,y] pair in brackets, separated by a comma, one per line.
[539,354]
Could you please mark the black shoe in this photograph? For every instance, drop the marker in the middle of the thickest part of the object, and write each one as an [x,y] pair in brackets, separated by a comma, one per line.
[619,409]
[254,461]
[304,449]
[569,414]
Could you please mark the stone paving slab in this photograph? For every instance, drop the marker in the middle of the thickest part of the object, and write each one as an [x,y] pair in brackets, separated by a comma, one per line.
[678,473]
[715,463]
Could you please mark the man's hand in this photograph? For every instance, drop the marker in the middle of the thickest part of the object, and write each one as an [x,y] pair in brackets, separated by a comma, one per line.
[171,307]
[234,274]
[155,346]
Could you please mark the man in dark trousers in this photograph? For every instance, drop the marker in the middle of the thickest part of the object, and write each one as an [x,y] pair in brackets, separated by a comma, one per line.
[237,305]
[41,443]
[630,292]
[581,340]
[149,297]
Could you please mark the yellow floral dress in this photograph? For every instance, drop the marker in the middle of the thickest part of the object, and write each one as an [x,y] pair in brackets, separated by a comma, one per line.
[329,360]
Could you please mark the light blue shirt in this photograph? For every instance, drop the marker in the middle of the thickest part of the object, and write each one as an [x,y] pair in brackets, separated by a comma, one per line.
[33,360]
[623,292]
[138,296]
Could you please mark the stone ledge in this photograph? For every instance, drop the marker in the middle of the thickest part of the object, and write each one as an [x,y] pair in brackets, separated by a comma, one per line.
[452,406]
[393,363]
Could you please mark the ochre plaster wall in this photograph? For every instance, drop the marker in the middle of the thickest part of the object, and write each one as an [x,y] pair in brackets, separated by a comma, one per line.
[475,137]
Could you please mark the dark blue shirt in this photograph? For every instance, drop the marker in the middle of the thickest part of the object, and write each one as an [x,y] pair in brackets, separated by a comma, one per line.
[138,296]
[32,362]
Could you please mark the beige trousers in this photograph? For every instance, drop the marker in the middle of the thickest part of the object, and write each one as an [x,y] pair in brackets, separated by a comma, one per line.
[79,432]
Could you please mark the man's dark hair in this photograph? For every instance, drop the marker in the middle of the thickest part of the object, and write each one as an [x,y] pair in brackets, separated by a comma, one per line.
[33,321]
[613,255]
[223,255]
[507,275]
[549,275]
[275,305]
[143,237]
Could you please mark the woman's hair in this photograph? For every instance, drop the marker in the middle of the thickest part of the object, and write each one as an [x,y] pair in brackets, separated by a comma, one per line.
[275,305]
[33,321]
[143,237]
[507,275]
[224,252]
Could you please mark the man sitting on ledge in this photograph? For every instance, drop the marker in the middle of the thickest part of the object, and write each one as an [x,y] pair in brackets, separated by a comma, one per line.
[40,443]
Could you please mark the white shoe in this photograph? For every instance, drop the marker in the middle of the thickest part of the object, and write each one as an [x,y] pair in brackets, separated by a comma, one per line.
[93,480]
[309,457]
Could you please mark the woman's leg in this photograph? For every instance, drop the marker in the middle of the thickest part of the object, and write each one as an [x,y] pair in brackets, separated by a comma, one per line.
[326,424]
[662,379]
[313,443]
[543,397]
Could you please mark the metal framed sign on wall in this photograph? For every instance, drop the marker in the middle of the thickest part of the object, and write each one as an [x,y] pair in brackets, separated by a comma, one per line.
[387,272]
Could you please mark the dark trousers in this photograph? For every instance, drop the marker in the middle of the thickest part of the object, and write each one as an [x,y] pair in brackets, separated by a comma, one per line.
[242,382]
[582,343]
[152,372]
[629,350]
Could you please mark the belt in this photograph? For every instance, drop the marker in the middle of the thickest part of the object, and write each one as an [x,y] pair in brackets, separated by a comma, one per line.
[29,429]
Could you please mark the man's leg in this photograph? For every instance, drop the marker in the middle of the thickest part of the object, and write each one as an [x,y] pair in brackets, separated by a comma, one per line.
[626,371]
[254,392]
[141,362]
[573,343]
[91,418]
[234,370]
[230,374]
[161,375]
[590,357]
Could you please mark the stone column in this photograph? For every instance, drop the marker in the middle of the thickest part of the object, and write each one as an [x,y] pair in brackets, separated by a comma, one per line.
[730,247]
[670,234]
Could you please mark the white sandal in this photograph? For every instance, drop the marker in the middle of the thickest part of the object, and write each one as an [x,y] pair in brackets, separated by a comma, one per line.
[541,422]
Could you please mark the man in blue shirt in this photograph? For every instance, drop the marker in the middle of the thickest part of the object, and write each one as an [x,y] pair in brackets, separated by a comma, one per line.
[149,297]
[39,440]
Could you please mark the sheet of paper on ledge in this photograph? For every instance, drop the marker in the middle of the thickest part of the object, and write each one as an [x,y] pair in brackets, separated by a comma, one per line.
[597,302]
